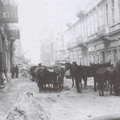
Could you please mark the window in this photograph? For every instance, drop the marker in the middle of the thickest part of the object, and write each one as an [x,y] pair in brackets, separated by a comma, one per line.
[85,28]
[92,24]
[107,15]
[82,28]
[92,59]
[109,57]
[86,60]
[88,26]
[115,56]
[113,11]
[101,16]
[119,8]
[96,22]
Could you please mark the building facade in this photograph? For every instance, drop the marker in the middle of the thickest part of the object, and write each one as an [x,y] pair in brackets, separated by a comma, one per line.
[7,37]
[95,37]
[53,49]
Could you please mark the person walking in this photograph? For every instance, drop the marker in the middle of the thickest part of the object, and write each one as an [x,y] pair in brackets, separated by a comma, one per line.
[16,71]
[12,71]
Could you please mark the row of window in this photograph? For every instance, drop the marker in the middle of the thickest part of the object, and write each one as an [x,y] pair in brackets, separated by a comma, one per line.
[101,16]
[100,58]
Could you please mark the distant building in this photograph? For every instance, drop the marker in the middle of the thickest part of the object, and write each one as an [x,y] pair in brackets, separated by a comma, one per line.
[95,37]
[53,49]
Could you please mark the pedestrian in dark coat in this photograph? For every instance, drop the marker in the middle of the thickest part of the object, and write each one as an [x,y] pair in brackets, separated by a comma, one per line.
[12,71]
[16,71]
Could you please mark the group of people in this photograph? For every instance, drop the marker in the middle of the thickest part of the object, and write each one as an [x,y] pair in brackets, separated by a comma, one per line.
[14,71]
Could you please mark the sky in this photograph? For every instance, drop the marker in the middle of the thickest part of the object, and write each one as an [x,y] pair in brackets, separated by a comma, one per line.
[39,17]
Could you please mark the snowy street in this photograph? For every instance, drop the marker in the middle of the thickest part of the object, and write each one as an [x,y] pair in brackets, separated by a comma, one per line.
[21,100]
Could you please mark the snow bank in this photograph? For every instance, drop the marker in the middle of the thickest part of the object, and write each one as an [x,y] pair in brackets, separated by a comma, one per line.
[27,107]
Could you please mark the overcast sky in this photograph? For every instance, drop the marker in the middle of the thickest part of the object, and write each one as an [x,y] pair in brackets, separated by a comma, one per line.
[36,16]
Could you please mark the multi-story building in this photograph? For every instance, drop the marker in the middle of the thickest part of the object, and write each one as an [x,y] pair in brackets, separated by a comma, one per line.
[53,49]
[95,37]
[8,34]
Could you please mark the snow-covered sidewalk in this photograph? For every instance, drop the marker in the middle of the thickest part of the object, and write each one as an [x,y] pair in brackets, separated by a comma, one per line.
[21,100]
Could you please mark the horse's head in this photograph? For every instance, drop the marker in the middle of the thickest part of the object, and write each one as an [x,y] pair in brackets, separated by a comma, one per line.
[43,72]
[56,70]
[67,66]
[117,66]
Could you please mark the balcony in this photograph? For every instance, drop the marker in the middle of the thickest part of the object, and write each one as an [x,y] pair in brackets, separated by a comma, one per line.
[62,49]
[80,12]
[101,31]
[72,45]
[80,42]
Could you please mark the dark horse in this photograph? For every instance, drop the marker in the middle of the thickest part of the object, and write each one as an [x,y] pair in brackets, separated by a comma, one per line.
[45,77]
[60,76]
[110,74]
[85,71]
[73,69]
[33,72]
[76,73]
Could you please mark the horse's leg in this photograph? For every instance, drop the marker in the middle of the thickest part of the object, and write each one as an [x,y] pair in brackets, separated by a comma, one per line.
[99,87]
[72,81]
[95,84]
[107,86]
[39,85]
[99,90]
[54,85]
[78,84]
[42,88]
[45,87]
[76,81]
[85,81]
[59,83]
[102,89]
[49,85]
[62,82]
[111,88]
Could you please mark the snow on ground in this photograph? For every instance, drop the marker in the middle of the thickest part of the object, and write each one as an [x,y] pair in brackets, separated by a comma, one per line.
[21,100]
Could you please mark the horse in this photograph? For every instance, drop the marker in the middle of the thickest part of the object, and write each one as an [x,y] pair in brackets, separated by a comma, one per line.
[46,77]
[85,71]
[60,75]
[94,68]
[68,66]
[75,74]
[110,74]
[106,74]
[32,72]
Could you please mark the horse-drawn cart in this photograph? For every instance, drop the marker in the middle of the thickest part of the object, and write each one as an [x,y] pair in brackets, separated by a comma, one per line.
[47,78]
